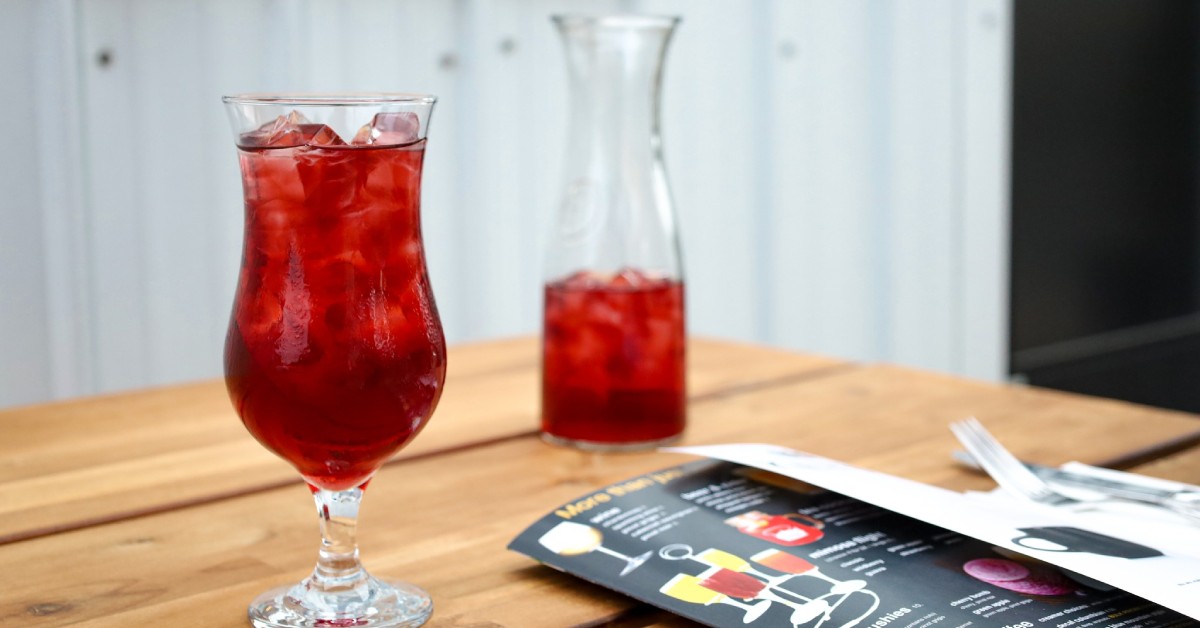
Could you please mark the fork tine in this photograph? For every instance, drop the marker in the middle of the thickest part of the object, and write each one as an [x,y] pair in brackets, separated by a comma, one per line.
[1007,464]
[1004,468]
[966,437]
[1012,466]
[986,459]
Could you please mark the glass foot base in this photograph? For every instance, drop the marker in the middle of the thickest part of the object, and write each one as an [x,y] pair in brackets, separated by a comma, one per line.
[590,445]
[373,603]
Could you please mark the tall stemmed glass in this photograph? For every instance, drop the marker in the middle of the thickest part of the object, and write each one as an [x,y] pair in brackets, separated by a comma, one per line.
[335,357]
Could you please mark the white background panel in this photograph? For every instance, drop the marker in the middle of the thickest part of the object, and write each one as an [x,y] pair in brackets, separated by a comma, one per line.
[839,170]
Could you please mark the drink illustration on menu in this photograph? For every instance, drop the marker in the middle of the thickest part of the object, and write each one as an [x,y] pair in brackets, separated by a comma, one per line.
[734,577]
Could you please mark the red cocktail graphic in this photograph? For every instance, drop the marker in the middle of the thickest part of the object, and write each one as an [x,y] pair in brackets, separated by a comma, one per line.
[840,591]
[712,557]
[335,356]
[686,588]
[793,566]
[613,369]
[736,584]
[789,529]
[733,583]
[783,561]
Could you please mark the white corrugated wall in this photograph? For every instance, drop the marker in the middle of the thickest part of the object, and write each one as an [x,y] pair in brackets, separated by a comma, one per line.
[839,167]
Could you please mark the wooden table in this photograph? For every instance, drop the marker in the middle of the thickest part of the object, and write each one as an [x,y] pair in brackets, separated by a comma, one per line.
[157,508]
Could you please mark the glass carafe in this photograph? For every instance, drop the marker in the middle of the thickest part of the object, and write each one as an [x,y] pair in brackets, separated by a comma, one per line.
[613,335]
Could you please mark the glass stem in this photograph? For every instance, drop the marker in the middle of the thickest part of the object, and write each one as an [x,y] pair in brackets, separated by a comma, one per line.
[605,550]
[338,567]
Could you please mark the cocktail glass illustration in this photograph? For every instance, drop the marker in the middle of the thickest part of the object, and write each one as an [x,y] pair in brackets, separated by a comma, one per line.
[572,539]
[841,599]
[793,566]
[714,558]
[686,588]
[737,584]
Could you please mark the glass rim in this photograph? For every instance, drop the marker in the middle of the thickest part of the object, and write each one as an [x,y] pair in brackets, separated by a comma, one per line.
[633,20]
[344,99]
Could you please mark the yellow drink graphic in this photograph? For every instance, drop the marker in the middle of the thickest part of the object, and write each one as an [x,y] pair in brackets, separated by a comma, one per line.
[571,539]
[687,588]
[721,558]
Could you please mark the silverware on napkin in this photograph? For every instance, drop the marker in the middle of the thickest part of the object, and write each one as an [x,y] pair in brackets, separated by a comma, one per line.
[1107,481]
[1175,496]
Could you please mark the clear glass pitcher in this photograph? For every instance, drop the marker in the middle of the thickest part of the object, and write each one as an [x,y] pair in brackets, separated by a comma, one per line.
[613,335]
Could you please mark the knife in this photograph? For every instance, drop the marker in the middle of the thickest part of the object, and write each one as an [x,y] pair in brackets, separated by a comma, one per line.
[1112,483]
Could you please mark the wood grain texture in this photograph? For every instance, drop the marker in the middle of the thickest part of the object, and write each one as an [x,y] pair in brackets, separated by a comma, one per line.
[443,519]
[95,460]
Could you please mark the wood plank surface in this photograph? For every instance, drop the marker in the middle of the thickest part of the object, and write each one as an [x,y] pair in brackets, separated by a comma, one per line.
[900,416]
[444,520]
[88,461]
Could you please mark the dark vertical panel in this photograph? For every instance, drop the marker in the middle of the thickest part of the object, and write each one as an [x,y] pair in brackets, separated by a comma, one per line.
[1105,164]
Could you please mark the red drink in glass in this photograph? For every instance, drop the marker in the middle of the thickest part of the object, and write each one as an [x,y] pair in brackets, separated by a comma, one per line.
[613,360]
[335,358]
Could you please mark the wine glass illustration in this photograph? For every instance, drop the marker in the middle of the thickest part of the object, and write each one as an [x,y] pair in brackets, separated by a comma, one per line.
[686,588]
[568,538]
[737,584]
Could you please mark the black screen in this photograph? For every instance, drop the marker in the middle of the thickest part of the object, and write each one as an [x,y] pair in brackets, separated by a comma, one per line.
[1105,179]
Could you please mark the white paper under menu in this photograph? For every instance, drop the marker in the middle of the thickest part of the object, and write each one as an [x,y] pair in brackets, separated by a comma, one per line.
[1152,559]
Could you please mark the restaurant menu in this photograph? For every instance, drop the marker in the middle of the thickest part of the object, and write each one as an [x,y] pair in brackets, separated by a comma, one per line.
[762,535]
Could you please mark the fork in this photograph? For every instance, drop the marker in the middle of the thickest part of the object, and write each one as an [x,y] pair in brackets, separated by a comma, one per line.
[1004,467]
[1015,477]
